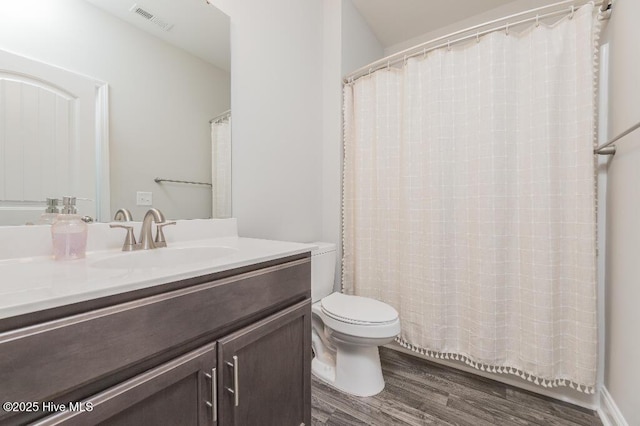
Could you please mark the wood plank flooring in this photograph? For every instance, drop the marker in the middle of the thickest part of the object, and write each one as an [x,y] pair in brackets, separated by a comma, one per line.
[419,392]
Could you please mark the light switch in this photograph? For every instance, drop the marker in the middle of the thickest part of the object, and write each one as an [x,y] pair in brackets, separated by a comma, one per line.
[144,198]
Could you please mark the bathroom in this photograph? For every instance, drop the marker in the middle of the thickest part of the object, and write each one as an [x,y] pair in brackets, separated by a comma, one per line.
[288,61]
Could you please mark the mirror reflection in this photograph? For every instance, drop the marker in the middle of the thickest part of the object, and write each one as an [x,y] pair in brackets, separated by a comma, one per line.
[101,98]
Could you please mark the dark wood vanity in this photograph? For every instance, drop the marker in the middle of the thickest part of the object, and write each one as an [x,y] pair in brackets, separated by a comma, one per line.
[230,348]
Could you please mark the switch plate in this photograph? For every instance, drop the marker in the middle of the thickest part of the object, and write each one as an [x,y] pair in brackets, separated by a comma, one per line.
[144,198]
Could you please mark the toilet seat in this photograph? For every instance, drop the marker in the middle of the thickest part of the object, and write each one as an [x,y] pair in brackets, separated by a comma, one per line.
[358,310]
[339,310]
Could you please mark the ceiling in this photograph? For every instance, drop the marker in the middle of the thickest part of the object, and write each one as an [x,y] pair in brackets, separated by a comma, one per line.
[395,21]
[198,28]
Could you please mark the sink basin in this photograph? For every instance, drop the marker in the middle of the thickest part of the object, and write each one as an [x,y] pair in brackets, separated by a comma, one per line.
[163,257]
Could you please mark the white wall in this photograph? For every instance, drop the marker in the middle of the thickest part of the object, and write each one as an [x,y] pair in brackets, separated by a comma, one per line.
[359,44]
[276,97]
[288,58]
[622,371]
[161,98]
[332,127]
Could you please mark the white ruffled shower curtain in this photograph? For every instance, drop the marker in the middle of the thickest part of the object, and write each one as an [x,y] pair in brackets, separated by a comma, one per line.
[221,168]
[469,200]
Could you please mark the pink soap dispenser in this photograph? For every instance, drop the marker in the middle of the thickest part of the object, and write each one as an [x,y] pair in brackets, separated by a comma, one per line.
[69,233]
[50,214]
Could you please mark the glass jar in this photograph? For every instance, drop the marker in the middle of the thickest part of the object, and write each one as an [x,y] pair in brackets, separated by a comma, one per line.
[69,234]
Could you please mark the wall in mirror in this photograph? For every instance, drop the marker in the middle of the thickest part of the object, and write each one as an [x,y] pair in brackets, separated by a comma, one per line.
[166,67]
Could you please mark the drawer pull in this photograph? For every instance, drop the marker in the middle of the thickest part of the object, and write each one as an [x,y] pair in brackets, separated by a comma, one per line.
[214,394]
[236,384]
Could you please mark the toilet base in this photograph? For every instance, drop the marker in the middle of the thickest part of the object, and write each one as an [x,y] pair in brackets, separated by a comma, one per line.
[356,371]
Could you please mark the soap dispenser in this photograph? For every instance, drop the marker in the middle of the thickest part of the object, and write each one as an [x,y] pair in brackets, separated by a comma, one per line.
[50,214]
[69,232]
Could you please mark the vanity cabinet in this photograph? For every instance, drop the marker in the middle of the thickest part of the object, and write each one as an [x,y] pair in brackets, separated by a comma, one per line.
[231,350]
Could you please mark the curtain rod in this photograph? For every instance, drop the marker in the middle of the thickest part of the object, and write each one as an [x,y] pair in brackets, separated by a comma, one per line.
[610,149]
[221,116]
[420,49]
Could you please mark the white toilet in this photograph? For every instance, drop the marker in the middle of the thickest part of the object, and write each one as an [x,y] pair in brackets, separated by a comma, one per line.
[347,331]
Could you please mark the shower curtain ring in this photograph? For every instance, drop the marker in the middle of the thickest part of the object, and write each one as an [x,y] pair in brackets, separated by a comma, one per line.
[572,11]
[478,37]
[448,44]
[537,20]
[424,53]
[506,29]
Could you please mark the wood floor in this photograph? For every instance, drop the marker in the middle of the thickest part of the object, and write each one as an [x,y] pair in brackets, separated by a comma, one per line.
[419,392]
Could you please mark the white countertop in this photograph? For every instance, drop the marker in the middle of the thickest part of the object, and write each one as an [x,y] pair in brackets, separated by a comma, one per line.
[30,284]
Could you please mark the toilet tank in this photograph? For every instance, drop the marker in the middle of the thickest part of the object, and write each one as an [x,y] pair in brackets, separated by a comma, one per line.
[323,265]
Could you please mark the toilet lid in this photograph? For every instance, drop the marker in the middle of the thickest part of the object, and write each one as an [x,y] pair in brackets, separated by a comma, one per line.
[357,309]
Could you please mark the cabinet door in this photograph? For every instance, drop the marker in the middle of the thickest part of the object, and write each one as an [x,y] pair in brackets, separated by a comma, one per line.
[176,393]
[266,371]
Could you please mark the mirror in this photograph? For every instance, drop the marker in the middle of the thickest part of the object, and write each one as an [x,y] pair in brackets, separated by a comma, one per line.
[160,71]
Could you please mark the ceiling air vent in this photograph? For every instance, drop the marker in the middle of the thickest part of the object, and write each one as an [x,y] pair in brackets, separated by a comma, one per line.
[151,17]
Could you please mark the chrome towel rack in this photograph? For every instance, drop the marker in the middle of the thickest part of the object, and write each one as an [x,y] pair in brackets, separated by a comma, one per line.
[609,148]
[188,182]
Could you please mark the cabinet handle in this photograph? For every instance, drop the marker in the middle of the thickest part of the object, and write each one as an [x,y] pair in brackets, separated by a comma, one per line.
[236,385]
[214,394]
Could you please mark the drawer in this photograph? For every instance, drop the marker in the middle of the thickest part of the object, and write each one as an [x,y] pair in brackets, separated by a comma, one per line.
[47,360]
[175,393]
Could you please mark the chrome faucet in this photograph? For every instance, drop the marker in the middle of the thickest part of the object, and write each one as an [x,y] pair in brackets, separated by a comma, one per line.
[146,238]
[123,215]
[147,242]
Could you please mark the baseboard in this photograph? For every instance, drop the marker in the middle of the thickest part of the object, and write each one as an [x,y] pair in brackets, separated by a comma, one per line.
[608,411]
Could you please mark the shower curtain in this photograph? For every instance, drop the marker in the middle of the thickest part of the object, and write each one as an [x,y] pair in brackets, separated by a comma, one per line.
[221,168]
[468,200]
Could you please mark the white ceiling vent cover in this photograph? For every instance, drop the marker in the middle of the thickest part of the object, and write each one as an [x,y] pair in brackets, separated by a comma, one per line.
[150,17]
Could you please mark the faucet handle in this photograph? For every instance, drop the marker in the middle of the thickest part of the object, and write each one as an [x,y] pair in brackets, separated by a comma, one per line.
[130,239]
[160,241]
